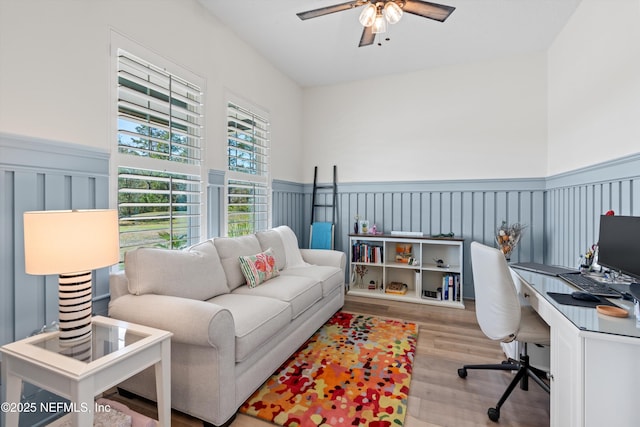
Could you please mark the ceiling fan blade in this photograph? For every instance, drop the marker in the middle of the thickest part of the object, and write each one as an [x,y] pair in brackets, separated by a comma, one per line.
[367,37]
[329,9]
[438,12]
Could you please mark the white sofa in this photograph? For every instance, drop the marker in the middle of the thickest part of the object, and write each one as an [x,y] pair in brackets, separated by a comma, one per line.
[228,338]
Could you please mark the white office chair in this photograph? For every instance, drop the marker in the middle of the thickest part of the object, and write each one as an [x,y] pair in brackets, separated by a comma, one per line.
[502,318]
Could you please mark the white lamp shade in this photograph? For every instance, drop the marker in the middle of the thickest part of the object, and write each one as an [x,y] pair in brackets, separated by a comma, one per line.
[379,25]
[392,12]
[368,15]
[57,242]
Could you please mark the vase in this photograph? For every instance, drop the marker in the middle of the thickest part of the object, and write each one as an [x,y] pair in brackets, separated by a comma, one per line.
[355,227]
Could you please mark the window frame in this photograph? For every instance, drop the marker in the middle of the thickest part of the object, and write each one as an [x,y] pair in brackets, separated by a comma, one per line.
[196,169]
[262,180]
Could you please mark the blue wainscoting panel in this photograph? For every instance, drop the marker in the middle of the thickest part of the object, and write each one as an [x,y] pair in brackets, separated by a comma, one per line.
[42,175]
[575,200]
[7,258]
[471,209]
[289,204]
[561,213]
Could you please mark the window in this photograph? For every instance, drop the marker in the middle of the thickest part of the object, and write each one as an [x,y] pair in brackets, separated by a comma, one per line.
[248,186]
[159,156]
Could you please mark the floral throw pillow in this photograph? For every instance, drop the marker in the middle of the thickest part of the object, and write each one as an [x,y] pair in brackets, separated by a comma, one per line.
[259,268]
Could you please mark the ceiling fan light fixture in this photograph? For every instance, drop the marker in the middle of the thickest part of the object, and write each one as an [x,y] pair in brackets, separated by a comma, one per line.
[368,15]
[375,15]
[379,25]
[392,12]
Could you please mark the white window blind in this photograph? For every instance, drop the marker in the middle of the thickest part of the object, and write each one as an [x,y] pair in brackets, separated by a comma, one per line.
[248,186]
[159,156]
[158,209]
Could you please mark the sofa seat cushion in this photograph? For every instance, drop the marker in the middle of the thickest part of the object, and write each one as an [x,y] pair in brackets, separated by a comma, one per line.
[194,273]
[256,320]
[300,292]
[330,277]
[230,250]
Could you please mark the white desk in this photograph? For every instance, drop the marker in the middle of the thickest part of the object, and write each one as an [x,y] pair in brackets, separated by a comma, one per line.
[595,359]
[117,350]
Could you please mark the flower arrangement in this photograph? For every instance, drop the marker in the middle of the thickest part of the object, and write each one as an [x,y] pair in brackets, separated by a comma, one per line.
[361,270]
[508,236]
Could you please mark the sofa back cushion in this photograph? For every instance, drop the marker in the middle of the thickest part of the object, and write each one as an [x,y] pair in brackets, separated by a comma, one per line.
[230,250]
[272,239]
[194,273]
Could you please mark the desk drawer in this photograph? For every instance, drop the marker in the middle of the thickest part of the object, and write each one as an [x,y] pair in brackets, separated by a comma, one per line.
[526,292]
[530,296]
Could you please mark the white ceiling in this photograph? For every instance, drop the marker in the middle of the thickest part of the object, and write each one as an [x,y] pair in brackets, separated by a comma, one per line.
[324,50]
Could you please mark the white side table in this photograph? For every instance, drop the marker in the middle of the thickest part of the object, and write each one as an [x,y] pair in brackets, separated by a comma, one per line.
[117,351]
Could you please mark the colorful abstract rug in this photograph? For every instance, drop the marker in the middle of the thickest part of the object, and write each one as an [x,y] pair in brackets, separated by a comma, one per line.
[355,371]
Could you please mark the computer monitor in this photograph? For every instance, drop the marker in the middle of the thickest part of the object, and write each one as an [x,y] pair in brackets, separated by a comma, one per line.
[619,244]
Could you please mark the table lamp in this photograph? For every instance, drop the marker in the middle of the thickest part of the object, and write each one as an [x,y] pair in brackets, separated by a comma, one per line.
[71,244]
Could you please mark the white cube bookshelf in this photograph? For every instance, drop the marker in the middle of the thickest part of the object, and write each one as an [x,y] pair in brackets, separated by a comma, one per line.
[410,263]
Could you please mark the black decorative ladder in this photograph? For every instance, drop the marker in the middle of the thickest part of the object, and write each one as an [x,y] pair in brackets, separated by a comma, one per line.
[334,197]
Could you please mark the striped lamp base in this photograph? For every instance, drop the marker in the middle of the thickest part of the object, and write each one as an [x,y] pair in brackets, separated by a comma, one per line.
[80,349]
[74,296]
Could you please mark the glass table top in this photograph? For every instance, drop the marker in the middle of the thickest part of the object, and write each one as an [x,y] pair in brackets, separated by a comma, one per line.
[585,318]
[104,340]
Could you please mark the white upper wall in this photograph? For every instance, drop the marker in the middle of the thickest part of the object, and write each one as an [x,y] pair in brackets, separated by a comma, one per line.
[594,86]
[55,80]
[528,116]
[478,120]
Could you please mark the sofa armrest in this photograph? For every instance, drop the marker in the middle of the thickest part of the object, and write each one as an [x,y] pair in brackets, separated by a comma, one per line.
[118,285]
[325,257]
[191,321]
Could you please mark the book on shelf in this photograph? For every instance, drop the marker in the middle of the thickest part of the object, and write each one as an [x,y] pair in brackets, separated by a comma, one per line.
[366,252]
[451,287]
[396,288]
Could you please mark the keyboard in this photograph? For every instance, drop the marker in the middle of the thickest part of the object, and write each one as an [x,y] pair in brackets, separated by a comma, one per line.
[587,284]
[549,270]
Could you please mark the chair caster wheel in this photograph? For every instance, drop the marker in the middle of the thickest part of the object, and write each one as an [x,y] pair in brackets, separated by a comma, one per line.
[494,414]
[462,373]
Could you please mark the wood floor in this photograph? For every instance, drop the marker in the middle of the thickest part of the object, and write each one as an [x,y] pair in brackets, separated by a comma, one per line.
[447,339]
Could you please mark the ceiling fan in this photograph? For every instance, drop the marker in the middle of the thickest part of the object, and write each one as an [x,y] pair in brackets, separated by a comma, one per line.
[376,14]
